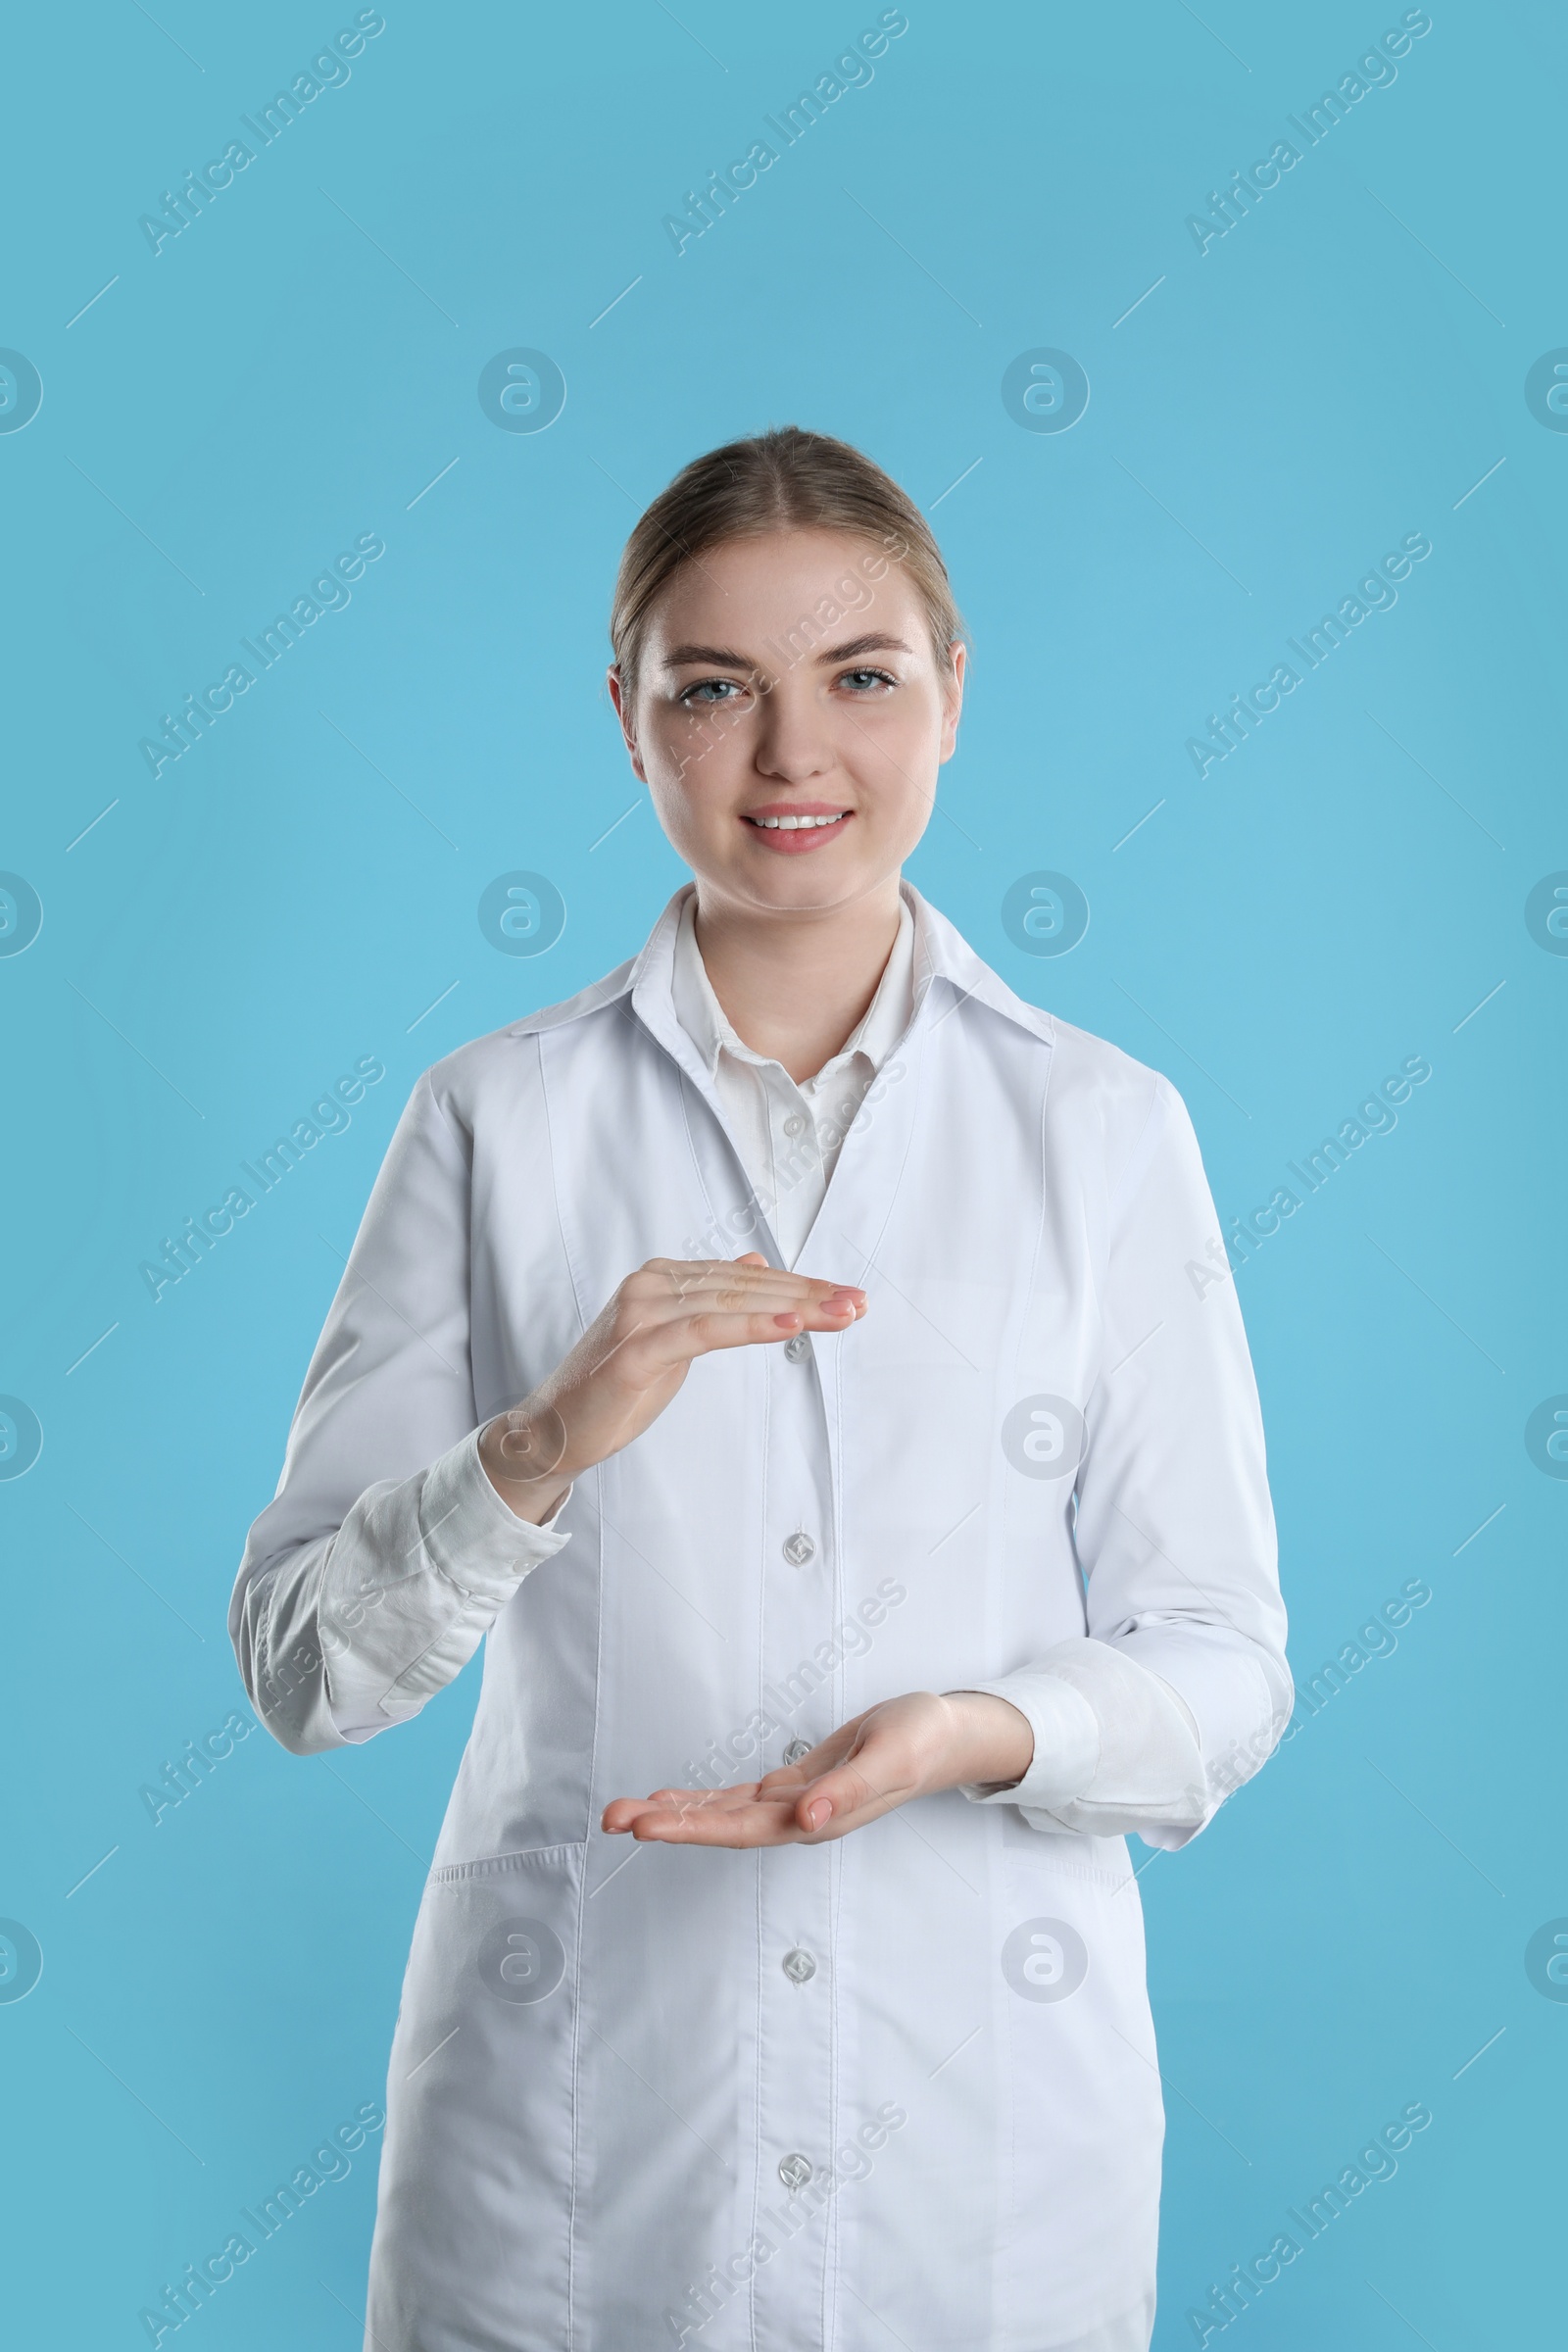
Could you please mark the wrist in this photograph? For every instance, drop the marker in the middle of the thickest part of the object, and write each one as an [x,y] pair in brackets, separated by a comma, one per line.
[993,1740]
[522,1454]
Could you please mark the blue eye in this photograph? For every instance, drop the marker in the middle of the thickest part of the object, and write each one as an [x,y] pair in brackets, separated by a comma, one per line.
[710,691]
[865,681]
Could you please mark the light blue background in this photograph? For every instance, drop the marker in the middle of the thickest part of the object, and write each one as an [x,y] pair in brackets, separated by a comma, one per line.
[1341,892]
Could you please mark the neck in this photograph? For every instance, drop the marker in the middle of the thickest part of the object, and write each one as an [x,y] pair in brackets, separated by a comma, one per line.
[795,985]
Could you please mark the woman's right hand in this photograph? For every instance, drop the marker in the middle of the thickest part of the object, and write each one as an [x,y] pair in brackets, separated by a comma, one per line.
[628,1364]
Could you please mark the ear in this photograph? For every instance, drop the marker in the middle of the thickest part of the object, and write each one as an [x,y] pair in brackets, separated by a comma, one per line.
[953,696]
[623,711]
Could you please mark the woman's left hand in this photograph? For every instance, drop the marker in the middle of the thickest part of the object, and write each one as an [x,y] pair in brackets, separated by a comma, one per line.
[903,1748]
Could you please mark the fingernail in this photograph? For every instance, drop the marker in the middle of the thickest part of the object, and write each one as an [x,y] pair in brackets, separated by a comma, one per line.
[819,1813]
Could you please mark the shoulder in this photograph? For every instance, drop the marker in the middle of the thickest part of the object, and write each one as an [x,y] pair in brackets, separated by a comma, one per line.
[1113,1102]
[505,1063]
[1090,1071]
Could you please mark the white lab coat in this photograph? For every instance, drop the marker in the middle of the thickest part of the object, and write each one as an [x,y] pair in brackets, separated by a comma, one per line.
[611,2062]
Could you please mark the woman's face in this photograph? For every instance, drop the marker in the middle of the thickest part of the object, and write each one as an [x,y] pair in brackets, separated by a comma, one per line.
[787,679]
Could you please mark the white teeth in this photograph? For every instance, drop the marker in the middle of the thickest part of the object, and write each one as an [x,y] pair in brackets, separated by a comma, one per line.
[797,824]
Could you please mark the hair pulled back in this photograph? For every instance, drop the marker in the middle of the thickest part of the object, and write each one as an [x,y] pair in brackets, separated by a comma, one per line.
[783,479]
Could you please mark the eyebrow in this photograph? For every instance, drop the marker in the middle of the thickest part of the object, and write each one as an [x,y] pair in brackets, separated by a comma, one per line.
[681,655]
[874,643]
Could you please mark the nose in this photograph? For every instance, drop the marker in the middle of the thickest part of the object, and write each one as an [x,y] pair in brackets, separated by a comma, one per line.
[794,741]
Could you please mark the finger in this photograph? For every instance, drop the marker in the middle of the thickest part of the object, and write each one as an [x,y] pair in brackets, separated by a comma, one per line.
[622,1811]
[714,1801]
[693,1813]
[764,1293]
[738,1277]
[665,1345]
[850,1794]
[826,1310]
[752,1265]
[795,1801]
[753,1822]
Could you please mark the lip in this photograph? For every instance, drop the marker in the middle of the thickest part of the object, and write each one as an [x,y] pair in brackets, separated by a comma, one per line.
[795,844]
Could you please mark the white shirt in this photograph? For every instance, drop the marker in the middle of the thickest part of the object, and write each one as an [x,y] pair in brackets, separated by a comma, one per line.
[786,2099]
[789,1137]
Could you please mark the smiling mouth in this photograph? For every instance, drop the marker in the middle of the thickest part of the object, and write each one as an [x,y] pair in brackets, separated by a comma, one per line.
[799,824]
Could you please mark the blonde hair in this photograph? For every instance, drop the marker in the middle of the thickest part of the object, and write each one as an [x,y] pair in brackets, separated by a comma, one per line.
[783,479]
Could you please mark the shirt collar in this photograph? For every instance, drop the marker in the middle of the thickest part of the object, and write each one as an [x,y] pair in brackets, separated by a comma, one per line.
[704,1021]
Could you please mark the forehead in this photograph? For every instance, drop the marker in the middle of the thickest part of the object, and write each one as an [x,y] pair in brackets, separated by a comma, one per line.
[757,587]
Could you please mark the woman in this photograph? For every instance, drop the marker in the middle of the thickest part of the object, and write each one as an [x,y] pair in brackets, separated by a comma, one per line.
[939,1511]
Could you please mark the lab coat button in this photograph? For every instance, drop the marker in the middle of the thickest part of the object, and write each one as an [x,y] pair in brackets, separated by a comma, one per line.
[793,2172]
[799,1548]
[796,1123]
[795,1749]
[799,1966]
[797,1349]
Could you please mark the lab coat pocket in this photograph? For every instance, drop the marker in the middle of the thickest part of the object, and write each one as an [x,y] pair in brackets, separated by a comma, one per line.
[473,2240]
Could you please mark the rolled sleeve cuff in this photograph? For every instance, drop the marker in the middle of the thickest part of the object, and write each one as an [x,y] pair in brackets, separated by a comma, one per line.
[1067,1733]
[477,1543]
[412,1581]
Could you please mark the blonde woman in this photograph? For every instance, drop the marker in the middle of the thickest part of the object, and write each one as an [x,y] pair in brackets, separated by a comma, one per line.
[785,1358]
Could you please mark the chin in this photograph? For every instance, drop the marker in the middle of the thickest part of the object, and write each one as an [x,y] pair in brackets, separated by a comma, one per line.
[809,884]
